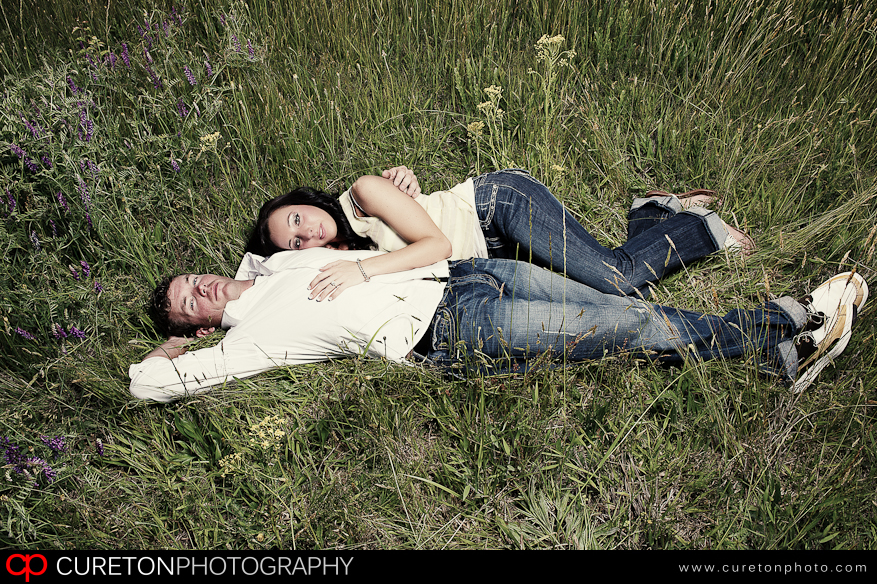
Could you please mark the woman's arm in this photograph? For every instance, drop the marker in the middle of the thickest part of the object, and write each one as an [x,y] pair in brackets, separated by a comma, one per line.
[380,198]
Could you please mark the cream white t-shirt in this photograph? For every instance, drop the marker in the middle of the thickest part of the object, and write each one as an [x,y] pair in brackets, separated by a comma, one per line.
[452,210]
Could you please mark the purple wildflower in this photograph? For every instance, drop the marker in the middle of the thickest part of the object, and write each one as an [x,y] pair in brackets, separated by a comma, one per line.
[111,59]
[74,272]
[86,269]
[35,466]
[125,57]
[94,168]
[166,27]
[93,65]
[250,49]
[181,108]
[57,444]
[54,229]
[11,202]
[237,44]
[189,75]
[45,160]
[28,162]
[100,446]
[145,36]
[83,193]
[209,68]
[222,19]
[35,131]
[88,220]
[97,287]
[175,165]
[62,201]
[156,82]
[76,333]
[49,473]
[31,467]
[176,16]
[35,240]
[58,331]
[72,85]
[19,151]
[11,452]
[26,335]
[85,124]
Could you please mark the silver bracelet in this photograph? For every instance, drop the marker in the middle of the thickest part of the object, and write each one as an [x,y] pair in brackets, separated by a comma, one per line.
[361,269]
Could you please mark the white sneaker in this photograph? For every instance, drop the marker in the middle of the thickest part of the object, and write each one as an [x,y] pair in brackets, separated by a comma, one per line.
[832,308]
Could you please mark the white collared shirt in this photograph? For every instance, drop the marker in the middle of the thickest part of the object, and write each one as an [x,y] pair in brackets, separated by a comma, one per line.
[273,323]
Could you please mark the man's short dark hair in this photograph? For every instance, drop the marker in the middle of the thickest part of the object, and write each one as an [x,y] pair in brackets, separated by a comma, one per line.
[160,310]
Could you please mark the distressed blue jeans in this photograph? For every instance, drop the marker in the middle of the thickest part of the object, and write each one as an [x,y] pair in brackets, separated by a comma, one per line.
[521,219]
[498,315]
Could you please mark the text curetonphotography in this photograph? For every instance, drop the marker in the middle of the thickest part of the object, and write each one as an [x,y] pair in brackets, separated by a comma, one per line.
[203,566]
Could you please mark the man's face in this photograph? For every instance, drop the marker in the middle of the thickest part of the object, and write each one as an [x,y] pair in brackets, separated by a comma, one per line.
[200,299]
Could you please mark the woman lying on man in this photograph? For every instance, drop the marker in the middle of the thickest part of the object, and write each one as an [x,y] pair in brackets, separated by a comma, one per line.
[504,214]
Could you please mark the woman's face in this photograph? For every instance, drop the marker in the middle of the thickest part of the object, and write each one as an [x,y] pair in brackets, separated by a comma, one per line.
[301,227]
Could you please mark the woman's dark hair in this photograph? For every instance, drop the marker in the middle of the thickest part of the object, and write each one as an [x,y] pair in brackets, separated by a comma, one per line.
[260,239]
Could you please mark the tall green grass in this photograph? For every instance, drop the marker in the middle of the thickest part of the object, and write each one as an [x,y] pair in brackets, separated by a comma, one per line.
[769,103]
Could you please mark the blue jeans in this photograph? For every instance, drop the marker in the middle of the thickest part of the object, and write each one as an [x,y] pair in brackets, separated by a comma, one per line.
[522,220]
[512,312]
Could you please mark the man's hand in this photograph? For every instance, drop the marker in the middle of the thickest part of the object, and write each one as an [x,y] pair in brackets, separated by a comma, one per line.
[403,179]
[170,349]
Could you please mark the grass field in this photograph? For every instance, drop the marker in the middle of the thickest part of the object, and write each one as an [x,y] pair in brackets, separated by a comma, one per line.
[139,138]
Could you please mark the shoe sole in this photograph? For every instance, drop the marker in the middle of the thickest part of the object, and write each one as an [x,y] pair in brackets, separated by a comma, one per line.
[843,279]
[860,284]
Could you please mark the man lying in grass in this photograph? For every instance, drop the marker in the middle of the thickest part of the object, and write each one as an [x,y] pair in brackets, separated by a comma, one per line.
[508,311]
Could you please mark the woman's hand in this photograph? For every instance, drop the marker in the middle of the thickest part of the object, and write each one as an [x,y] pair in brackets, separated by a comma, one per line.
[403,179]
[333,279]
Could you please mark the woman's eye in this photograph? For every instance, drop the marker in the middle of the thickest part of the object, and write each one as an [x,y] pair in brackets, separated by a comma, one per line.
[297,219]
[296,243]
